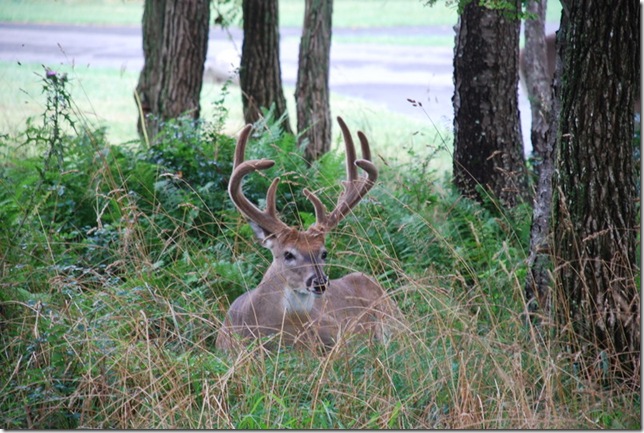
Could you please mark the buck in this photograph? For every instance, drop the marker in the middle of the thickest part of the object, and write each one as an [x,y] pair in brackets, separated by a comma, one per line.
[295,302]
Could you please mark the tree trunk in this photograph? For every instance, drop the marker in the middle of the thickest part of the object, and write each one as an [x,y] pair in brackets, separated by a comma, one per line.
[537,77]
[534,68]
[312,90]
[595,221]
[260,75]
[488,148]
[175,43]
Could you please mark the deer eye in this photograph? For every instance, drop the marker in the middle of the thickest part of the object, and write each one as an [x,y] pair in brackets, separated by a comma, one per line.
[289,256]
[323,255]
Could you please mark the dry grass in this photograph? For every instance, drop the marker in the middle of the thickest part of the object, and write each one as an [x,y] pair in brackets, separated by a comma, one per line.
[146,370]
[140,354]
[131,344]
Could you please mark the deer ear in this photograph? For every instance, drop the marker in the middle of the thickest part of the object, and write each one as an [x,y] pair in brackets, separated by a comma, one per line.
[262,235]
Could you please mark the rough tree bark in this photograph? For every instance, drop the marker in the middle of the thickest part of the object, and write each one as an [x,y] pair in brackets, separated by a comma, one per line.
[595,219]
[312,89]
[488,148]
[537,77]
[533,62]
[175,43]
[260,74]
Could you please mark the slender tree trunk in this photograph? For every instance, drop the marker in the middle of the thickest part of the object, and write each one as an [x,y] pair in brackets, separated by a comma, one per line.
[312,90]
[595,221]
[175,43]
[533,62]
[260,74]
[534,68]
[488,148]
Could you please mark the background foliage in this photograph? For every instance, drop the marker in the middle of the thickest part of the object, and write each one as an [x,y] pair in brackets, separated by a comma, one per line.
[119,262]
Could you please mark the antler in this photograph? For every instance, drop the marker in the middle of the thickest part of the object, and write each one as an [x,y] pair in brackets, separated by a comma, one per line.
[267,219]
[355,187]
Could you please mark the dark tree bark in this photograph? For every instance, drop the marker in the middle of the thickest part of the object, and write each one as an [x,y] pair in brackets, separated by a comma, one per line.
[175,43]
[537,77]
[260,74]
[488,148]
[312,90]
[595,220]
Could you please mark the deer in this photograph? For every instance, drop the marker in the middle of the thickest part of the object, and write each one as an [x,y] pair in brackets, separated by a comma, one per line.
[296,304]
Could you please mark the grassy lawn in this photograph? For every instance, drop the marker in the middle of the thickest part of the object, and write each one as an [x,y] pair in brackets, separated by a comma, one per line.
[347,13]
[104,98]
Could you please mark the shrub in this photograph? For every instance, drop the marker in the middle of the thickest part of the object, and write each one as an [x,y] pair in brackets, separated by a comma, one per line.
[119,262]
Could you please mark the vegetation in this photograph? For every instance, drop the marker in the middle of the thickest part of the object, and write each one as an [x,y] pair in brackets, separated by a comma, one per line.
[119,261]
[104,97]
[349,13]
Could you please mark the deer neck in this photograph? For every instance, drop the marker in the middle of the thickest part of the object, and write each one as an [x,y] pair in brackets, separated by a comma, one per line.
[295,301]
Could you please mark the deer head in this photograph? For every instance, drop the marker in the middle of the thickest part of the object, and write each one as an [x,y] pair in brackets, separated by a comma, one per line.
[299,256]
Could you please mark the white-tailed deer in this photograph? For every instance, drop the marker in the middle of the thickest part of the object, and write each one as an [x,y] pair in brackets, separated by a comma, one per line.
[295,301]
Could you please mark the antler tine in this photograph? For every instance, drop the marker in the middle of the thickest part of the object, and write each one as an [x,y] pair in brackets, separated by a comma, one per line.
[352,171]
[355,187]
[364,144]
[240,149]
[271,208]
[267,219]
[320,209]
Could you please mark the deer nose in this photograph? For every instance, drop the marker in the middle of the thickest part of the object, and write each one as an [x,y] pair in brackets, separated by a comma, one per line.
[317,284]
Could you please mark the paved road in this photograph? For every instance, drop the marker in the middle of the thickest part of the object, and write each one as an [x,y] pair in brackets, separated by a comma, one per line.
[379,73]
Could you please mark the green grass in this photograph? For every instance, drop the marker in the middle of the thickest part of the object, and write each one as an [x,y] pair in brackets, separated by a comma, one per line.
[111,308]
[104,97]
[113,290]
[347,13]
[374,13]
[115,284]
[82,12]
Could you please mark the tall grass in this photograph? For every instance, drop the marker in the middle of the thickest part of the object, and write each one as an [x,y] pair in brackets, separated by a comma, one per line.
[118,267]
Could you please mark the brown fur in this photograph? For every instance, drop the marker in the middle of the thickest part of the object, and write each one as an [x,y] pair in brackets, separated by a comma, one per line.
[354,304]
[295,302]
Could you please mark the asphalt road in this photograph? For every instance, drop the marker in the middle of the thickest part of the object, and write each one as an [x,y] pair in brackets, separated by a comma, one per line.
[383,74]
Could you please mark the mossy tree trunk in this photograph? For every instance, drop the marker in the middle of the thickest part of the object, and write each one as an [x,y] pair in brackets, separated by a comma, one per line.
[312,90]
[488,147]
[175,43]
[595,217]
[260,74]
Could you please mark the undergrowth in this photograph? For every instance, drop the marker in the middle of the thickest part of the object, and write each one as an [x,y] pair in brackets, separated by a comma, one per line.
[119,262]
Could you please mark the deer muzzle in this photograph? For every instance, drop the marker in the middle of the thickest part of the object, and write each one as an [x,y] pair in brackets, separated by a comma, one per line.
[317,284]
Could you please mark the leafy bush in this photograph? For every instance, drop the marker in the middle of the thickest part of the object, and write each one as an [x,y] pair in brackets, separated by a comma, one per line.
[119,262]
